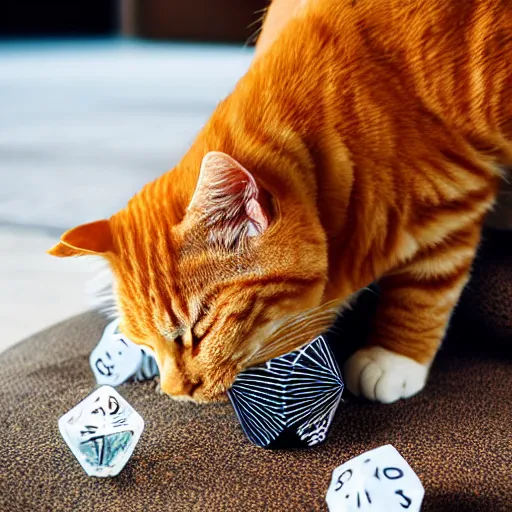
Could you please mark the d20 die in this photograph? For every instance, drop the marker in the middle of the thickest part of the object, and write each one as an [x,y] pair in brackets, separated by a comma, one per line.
[116,359]
[378,480]
[102,432]
[290,401]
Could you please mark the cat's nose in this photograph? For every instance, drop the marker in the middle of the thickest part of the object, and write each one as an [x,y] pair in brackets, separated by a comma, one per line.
[176,384]
[176,387]
[174,381]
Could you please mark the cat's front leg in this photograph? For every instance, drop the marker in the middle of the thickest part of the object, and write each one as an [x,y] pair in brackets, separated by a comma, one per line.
[414,310]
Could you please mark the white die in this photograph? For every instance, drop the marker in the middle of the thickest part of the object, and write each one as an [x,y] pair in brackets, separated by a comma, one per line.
[116,359]
[377,480]
[102,432]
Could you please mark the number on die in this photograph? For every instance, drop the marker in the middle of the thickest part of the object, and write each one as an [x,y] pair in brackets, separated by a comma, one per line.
[378,480]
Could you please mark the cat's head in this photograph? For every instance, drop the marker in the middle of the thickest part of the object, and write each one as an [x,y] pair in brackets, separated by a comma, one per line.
[234,279]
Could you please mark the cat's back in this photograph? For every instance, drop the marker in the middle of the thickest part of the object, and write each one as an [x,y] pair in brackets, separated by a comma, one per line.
[384,69]
[455,57]
[410,15]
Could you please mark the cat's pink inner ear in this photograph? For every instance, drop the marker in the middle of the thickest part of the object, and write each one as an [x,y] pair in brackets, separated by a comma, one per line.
[94,238]
[256,215]
[228,195]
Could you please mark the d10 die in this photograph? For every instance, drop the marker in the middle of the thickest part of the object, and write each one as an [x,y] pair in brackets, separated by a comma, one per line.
[116,359]
[378,480]
[102,432]
[290,401]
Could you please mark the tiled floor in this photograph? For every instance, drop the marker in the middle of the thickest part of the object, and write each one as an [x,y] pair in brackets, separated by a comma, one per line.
[82,127]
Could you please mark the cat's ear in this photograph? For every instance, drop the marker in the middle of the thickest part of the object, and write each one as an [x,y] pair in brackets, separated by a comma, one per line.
[229,199]
[93,239]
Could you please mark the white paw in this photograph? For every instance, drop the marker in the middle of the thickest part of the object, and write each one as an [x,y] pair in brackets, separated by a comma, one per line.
[383,376]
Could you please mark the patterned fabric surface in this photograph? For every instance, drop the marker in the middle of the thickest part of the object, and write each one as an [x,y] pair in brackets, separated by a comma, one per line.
[456,436]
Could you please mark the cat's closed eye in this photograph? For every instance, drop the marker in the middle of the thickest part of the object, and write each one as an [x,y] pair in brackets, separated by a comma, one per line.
[178,339]
[185,338]
[196,340]
[175,335]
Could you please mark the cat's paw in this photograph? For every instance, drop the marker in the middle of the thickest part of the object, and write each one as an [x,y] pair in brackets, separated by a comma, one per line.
[384,376]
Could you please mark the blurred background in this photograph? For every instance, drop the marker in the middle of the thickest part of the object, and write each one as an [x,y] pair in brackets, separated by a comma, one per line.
[97,97]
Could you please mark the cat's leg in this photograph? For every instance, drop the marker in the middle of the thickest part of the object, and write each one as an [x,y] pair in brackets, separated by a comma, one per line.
[415,306]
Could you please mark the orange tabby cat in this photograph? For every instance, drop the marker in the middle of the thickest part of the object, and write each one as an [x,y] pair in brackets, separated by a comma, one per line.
[365,143]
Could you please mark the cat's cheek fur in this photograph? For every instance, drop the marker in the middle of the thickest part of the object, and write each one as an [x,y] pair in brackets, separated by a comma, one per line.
[215,390]
[384,376]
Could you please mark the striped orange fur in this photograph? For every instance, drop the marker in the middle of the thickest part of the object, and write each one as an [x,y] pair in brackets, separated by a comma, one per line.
[364,144]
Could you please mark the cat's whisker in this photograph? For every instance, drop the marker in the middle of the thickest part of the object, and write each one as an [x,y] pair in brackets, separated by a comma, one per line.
[304,324]
[312,326]
[257,22]
[262,11]
[331,307]
[276,339]
[305,327]
[286,344]
[326,317]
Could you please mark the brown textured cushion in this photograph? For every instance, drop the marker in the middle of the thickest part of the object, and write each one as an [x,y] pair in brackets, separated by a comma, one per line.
[455,435]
